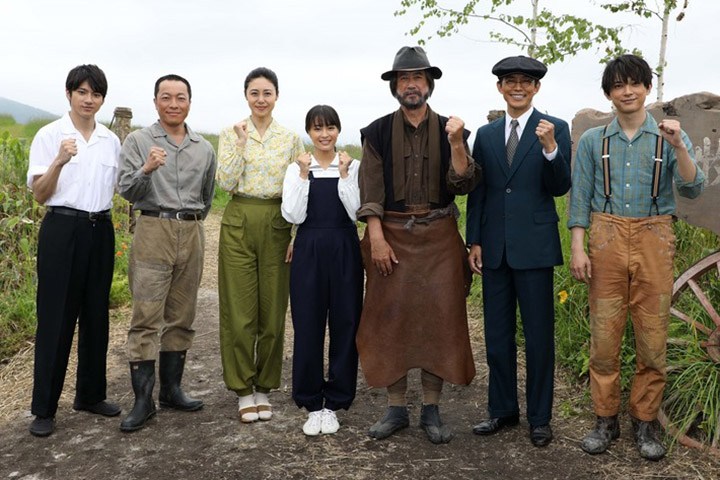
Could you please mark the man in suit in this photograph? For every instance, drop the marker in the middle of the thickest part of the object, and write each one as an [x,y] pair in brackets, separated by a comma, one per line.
[514,244]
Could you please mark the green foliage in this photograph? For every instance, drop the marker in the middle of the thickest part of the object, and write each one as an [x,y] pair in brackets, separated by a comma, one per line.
[20,218]
[19,222]
[545,36]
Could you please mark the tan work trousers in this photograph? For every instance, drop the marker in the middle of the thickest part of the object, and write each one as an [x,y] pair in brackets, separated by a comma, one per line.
[632,266]
[166,265]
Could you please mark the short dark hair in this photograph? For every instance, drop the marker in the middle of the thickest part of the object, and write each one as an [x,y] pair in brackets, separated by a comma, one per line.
[624,68]
[430,82]
[262,72]
[173,78]
[90,73]
[322,115]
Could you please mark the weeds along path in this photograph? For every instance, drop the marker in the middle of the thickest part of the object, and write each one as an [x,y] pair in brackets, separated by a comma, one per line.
[213,444]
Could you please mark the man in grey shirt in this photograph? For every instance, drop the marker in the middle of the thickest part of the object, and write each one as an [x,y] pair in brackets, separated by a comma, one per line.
[168,172]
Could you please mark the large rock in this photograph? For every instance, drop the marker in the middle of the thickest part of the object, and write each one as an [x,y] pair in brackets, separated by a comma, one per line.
[699,116]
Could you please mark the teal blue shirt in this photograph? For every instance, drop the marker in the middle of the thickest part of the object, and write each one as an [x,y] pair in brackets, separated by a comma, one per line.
[631,174]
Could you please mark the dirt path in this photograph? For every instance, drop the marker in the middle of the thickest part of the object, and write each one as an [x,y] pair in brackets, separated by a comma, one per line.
[212,443]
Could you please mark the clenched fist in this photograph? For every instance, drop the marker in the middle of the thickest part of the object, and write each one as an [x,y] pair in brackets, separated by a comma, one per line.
[68,149]
[303,161]
[545,132]
[241,132]
[155,159]
[344,161]
[454,129]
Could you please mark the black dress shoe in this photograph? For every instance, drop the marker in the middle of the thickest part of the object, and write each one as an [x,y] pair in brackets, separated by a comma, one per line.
[494,425]
[541,435]
[42,426]
[101,408]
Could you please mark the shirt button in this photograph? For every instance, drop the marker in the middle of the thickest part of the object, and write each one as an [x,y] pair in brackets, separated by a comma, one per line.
[627,185]
[629,145]
[508,190]
[628,164]
[627,205]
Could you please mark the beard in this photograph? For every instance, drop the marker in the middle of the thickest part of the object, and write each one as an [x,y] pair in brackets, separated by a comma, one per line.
[414,104]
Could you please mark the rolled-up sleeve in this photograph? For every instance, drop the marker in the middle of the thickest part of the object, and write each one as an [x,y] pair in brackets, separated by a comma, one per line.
[371,184]
[583,177]
[230,161]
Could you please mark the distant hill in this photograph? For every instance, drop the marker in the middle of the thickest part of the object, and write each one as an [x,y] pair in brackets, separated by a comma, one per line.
[23,113]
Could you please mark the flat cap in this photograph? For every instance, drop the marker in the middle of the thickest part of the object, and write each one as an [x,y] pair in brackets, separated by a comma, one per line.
[520,64]
[409,59]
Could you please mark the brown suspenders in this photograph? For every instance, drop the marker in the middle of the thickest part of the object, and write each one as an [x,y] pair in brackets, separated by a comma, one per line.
[657,169]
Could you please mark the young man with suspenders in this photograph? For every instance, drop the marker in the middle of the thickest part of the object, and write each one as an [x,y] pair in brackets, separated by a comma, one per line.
[622,191]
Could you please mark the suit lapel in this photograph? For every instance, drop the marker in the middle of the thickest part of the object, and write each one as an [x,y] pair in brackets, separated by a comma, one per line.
[527,140]
[498,145]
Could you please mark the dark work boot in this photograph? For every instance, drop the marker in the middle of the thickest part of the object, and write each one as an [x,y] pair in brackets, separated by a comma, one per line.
[172,365]
[647,440]
[396,418]
[142,375]
[435,429]
[598,440]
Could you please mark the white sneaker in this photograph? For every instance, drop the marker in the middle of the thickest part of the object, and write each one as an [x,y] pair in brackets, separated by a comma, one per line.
[313,425]
[329,422]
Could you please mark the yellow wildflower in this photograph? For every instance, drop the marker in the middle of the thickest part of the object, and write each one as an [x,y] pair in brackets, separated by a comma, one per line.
[563,296]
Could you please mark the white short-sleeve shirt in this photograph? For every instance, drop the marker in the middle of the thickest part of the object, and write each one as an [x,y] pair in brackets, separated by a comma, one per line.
[87,182]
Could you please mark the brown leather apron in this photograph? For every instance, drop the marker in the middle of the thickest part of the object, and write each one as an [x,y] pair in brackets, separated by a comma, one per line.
[416,317]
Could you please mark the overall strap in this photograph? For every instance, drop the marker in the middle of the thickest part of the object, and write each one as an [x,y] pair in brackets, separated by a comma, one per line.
[657,168]
[606,171]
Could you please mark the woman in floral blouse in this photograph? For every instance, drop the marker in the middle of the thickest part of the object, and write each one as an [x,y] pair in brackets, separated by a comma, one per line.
[255,251]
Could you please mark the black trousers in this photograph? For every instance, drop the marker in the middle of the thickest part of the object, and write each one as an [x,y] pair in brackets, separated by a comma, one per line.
[326,288]
[504,289]
[75,263]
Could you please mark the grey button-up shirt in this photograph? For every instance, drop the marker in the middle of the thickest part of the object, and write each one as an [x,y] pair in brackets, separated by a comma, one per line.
[185,182]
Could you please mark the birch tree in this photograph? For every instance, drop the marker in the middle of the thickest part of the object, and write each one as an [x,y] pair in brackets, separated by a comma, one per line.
[661,10]
[541,34]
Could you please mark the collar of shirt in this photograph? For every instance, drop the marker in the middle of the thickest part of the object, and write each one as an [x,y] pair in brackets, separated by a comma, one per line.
[158,131]
[421,125]
[253,133]
[522,121]
[67,129]
[648,126]
[331,171]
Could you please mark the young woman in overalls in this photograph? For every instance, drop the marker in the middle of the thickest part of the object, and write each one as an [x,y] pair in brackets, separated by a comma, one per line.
[321,195]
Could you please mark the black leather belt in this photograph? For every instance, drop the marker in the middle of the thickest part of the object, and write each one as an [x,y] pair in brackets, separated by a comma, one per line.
[175,214]
[71,212]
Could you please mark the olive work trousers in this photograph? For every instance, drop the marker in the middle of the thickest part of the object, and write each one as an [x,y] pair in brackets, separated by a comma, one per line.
[254,288]
[166,266]
[632,266]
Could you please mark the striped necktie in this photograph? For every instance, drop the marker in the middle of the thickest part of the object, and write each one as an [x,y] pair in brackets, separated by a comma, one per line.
[512,142]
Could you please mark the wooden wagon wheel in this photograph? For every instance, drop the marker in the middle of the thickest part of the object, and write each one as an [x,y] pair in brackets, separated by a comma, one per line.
[696,279]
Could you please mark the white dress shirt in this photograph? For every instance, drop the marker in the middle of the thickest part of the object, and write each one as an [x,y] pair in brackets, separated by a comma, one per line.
[87,181]
[295,190]
[522,122]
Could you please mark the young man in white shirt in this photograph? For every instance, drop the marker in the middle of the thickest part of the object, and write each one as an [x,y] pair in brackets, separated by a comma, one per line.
[72,170]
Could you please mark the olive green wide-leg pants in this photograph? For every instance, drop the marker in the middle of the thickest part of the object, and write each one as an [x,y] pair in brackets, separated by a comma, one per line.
[253,286]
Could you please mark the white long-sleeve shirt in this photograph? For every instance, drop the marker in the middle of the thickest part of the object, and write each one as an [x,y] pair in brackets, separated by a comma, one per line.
[295,190]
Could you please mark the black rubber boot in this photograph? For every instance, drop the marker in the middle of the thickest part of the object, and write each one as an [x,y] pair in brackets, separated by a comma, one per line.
[598,440]
[142,375]
[435,429]
[646,437]
[396,418]
[172,365]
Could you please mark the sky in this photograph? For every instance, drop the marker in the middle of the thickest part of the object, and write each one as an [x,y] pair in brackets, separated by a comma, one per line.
[324,51]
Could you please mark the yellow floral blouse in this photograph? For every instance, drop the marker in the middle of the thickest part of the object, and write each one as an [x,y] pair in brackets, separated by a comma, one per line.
[258,170]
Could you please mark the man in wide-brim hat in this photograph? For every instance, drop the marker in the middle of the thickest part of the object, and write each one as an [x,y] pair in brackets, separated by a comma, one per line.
[414,162]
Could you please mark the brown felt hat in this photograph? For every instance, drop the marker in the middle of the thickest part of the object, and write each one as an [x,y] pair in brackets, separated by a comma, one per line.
[409,59]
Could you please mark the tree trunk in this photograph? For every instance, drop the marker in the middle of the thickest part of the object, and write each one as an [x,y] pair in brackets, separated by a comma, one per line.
[663,48]
[533,30]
